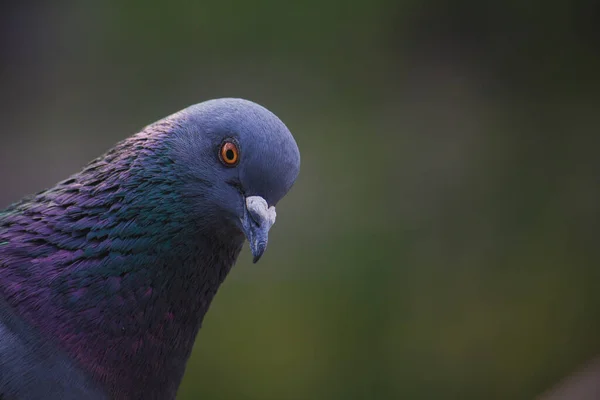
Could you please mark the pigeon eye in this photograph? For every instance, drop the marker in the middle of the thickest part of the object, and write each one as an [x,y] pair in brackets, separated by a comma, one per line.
[229,154]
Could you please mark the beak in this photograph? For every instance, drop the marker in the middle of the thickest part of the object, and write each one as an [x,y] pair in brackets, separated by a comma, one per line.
[256,222]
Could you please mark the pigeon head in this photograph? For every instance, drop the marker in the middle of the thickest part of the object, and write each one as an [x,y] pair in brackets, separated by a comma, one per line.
[237,160]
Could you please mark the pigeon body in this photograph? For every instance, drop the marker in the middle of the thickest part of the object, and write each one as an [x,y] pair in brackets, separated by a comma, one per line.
[106,277]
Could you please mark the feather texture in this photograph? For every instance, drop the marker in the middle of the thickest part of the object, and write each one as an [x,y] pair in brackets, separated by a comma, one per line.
[115,268]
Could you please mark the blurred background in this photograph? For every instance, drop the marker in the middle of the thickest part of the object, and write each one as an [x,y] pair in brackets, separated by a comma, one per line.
[441,241]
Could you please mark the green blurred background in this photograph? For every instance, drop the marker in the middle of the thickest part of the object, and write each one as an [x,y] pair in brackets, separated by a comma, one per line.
[441,241]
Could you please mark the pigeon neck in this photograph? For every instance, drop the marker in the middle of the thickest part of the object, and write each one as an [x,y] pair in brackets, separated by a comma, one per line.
[119,282]
[129,318]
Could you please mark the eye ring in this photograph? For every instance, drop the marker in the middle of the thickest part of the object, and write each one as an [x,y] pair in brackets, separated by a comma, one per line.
[229,154]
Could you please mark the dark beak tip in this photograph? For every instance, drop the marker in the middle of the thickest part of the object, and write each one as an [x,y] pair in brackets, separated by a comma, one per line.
[258,251]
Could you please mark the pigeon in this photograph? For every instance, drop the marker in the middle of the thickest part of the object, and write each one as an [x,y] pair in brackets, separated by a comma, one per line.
[106,277]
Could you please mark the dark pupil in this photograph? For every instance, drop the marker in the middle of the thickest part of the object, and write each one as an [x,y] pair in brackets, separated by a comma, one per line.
[229,154]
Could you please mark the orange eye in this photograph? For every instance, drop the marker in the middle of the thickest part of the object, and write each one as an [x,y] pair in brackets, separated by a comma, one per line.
[229,154]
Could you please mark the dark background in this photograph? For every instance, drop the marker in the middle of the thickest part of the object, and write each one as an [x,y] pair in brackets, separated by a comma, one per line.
[441,241]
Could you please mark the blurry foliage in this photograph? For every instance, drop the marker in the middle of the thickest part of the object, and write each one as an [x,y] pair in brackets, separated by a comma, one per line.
[440,241]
